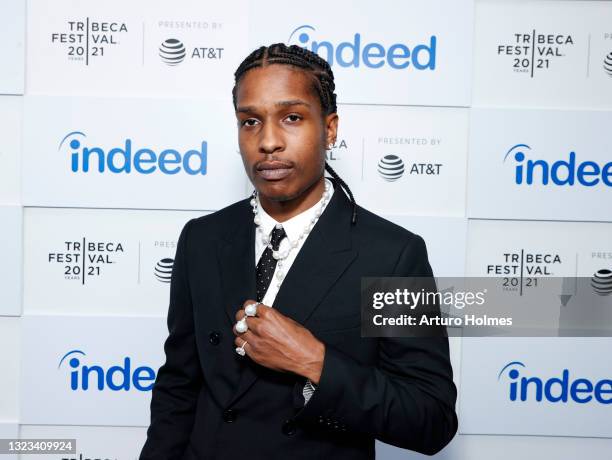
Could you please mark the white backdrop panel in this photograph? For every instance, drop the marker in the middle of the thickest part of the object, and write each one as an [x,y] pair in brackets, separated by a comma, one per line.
[100,262]
[403,160]
[383,52]
[504,248]
[537,386]
[138,48]
[12,46]
[89,371]
[11,115]
[540,164]
[543,54]
[11,248]
[9,362]
[131,153]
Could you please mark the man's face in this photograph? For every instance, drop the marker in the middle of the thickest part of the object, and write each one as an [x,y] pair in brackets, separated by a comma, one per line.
[282,133]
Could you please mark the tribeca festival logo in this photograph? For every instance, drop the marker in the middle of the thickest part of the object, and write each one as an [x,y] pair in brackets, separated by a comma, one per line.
[172,52]
[83,377]
[89,39]
[557,389]
[359,52]
[535,52]
[520,269]
[570,171]
[85,258]
[337,150]
[131,157]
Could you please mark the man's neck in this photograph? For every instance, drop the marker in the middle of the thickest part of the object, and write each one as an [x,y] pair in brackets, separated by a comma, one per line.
[285,210]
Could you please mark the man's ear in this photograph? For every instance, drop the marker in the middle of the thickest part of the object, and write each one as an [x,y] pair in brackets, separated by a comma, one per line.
[331,128]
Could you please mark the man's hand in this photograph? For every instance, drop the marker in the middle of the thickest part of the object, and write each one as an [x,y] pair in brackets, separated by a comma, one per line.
[280,343]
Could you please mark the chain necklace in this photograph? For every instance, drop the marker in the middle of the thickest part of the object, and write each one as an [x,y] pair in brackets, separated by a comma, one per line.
[279,255]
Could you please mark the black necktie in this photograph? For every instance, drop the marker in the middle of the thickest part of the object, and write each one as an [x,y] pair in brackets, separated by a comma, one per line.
[267,263]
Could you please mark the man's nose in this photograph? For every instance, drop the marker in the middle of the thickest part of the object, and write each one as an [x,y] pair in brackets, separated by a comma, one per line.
[271,139]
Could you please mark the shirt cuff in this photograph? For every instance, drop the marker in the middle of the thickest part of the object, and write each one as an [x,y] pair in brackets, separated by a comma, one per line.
[309,389]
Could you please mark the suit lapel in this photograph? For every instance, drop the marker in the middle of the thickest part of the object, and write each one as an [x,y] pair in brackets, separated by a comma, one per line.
[325,255]
[237,261]
[236,256]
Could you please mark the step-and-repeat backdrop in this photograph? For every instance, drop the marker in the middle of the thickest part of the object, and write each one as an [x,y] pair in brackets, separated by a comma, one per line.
[496,116]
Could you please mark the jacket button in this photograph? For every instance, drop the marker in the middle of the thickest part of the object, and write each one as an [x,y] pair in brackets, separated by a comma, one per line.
[214,337]
[229,415]
[288,427]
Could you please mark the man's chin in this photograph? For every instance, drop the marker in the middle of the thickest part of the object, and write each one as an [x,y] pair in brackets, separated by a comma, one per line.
[277,191]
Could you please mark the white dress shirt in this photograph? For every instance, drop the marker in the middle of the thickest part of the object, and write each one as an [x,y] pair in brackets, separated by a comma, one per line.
[293,228]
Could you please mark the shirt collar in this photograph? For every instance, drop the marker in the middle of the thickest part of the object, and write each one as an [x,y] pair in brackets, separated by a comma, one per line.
[294,226]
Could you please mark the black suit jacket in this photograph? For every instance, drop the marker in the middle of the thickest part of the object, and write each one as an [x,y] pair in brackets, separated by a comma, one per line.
[208,402]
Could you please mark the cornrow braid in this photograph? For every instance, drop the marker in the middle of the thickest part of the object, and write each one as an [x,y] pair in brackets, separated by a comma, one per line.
[335,175]
[293,55]
[323,83]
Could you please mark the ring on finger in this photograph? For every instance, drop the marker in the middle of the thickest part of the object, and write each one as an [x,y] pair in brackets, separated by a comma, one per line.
[242,326]
[240,350]
[251,309]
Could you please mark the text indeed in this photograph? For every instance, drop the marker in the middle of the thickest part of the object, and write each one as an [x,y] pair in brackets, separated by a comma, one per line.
[561,172]
[559,389]
[115,378]
[358,52]
[127,159]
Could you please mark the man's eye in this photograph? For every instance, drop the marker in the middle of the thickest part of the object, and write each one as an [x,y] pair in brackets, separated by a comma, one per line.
[249,122]
[293,118]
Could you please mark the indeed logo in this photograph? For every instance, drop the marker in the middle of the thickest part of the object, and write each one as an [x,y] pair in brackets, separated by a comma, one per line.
[555,389]
[115,378]
[356,52]
[126,158]
[560,172]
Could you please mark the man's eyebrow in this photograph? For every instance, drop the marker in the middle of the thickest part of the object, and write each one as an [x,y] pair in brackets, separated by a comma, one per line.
[292,102]
[246,109]
[289,103]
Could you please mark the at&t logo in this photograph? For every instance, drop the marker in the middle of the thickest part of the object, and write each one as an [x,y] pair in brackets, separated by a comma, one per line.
[564,172]
[172,52]
[358,51]
[127,158]
[114,378]
[391,168]
[559,389]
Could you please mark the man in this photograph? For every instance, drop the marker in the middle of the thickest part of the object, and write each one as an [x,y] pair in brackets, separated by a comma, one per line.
[264,358]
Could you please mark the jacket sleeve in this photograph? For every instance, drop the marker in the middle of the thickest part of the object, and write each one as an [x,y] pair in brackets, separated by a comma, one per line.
[179,379]
[407,399]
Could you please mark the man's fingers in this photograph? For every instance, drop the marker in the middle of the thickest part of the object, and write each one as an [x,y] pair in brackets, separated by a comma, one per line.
[262,309]
[252,323]
[248,302]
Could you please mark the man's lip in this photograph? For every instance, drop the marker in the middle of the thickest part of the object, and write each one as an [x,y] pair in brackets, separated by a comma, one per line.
[273,165]
[274,173]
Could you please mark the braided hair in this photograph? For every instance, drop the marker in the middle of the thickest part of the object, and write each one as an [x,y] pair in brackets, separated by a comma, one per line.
[323,83]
